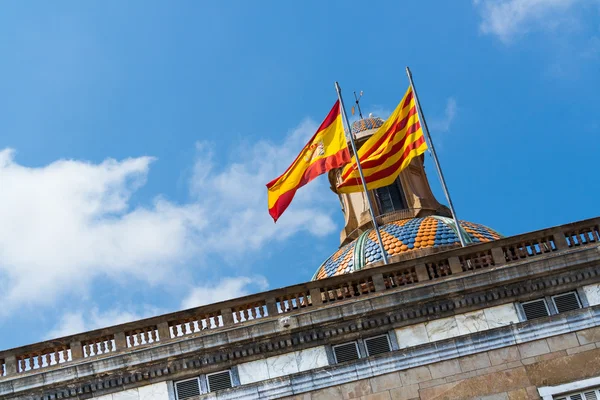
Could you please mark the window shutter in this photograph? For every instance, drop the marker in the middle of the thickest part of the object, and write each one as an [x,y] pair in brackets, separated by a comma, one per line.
[345,352]
[535,309]
[187,389]
[377,345]
[590,396]
[219,381]
[566,302]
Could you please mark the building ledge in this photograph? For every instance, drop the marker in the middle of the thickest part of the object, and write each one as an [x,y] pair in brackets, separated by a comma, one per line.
[316,312]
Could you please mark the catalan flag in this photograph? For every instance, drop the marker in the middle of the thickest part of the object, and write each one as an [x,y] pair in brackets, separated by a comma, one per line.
[388,151]
[326,150]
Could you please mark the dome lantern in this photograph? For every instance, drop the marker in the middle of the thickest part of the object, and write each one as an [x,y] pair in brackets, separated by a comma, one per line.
[411,220]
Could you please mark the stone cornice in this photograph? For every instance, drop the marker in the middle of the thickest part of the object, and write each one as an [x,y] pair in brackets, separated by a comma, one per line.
[417,356]
[340,321]
[293,299]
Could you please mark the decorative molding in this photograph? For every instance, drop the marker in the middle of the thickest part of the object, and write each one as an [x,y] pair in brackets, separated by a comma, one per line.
[335,375]
[326,325]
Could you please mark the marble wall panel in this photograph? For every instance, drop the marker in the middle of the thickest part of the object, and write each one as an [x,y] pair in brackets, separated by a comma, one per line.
[501,315]
[253,371]
[282,365]
[312,358]
[156,391]
[410,336]
[131,394]
[443,328]
[592,292]
[471,322]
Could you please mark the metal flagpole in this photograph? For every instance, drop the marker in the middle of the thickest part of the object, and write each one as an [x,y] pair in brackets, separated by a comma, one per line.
[435,159]
[360,172]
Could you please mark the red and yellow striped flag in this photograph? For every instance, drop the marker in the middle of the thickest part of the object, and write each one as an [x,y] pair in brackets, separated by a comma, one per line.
[326,150]
[388,151]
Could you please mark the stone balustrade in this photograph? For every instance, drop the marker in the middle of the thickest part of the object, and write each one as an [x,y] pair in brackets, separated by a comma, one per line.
[97,346]
[289,300]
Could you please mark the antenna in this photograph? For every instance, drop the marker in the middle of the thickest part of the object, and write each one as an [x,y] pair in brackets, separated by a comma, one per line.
[357,99]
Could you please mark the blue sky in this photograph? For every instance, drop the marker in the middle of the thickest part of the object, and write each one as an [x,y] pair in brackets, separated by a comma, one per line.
[136,138]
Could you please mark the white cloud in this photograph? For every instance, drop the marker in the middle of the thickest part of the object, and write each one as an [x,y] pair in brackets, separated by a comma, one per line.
[443,124]
[70,224]
[81,321]
[237,195]
[226,288]
[67,223]
[509,18]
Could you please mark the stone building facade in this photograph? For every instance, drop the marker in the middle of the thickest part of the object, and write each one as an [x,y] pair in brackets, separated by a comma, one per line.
[502,318]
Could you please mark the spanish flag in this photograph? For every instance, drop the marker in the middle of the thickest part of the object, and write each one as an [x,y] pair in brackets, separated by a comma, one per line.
[326,150]
[388,151]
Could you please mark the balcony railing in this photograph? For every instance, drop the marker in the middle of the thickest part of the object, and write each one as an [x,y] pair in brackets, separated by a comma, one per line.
[293,299]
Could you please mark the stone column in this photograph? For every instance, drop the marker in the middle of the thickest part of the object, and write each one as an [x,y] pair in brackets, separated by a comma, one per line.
[76,350]
[378,282]
[559,240]
[271,307]
[455,265]
[315,297]
[10,363]
[422,274]
[227,316]
[498,256]
[164,333]
[121,341]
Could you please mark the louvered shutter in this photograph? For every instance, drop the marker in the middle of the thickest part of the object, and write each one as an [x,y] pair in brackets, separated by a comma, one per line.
[566,302]
[219,381]
[590,395]
[587,395]
[187,389]
[535,309]
[377,345]
[345,352]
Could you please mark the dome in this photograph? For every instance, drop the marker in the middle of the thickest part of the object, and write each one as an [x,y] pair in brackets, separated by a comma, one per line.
[366,124]
[402,237]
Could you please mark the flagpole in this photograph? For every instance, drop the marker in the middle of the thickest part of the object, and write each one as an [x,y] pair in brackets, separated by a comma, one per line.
[360,172]
[435,159]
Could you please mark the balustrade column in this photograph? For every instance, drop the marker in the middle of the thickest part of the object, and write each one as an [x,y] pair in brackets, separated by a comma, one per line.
[498,256]
[227,315]
[120,341]
[271,307]
[164,333]
[10,365]
[315,297]
[422,274]
[378,282]
[76,350]
[455,265]
[560,241]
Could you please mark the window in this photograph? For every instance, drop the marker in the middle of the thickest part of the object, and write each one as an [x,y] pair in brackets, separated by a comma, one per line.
[535,309]
[190,388]
[566,302]
[346,352]
[186,389]
[219,381]
[377,345]
[590,394]
[551,305]
[390,198]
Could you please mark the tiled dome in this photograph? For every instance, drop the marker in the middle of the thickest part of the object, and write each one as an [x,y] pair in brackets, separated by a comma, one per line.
[402,237]
[366,124]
